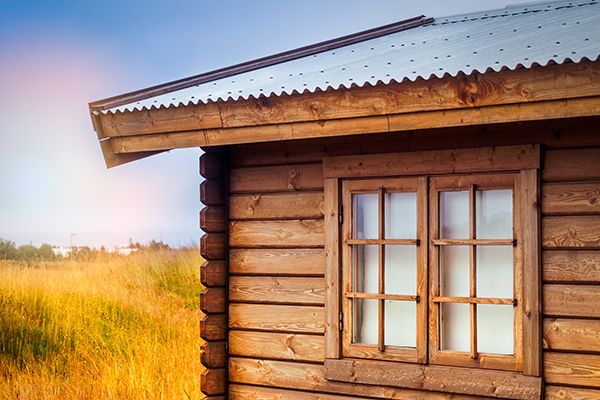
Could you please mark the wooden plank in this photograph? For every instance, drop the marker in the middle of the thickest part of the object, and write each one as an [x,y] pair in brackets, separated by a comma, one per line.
[161,120]
[475,382]
[212,193]
[213,273]
[307,205]
[570,108]
[571,165]
[572,369]
[213,246]
[508,158]
[571,266]
[572,300]
[285,262]
[259,289]
[561,133]
[311,377]
[213,165]
[572,334]
[530,248]
[213,354]
[112,159]
[213,219]
[475,90]
[292,233]
[244,392]
[422,265]
[284,346]
[571,198]
[213,300]
[213,381]
[495,114]
[568,393]
[213,327]
[277,318]
[571,232]
[284,178]
[332,272]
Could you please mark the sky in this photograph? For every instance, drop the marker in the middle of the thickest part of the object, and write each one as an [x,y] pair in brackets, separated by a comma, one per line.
[57,56]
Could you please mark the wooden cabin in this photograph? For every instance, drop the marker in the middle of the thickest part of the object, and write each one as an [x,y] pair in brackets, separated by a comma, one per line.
[409,212]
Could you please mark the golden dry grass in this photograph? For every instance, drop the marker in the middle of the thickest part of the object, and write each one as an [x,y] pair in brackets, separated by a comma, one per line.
[115,328]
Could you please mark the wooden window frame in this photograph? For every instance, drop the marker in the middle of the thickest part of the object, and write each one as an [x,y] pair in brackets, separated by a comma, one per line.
[382,351]
[472,183]
[522,162]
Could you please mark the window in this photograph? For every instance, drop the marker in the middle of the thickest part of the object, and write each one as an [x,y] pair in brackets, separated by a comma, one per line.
[384,253]
[475,271]
[429,264]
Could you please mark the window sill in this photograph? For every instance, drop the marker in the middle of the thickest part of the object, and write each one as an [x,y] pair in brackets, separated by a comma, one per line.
[477,382]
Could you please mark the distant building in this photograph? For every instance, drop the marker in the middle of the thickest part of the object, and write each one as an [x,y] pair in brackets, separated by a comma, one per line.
[62,251]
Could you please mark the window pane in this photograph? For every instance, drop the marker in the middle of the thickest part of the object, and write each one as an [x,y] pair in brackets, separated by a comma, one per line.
[400,323]
[400,215]
[454,271]
[365,224]
[365,319]
[400,270]
[494,214]
[456,322]
[495,328]
[365,264]
[495,271]
[454,215]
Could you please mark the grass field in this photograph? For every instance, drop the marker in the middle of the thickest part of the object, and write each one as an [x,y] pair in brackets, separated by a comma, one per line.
[113,328]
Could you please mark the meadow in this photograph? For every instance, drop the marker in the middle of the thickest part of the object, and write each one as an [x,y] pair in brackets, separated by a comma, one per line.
[115,327]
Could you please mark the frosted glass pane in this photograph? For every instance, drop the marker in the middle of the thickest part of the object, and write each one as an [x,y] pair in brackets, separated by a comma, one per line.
[365,216]
[495,271]
[400,323]
[495,329]
[454,215]
[400,270]
[400,215]
[454,271]
[365,319]
[494,214]
[456,322]
[365,263]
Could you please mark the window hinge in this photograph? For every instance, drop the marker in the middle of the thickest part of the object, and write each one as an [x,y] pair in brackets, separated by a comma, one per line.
[341,322]
[341,214]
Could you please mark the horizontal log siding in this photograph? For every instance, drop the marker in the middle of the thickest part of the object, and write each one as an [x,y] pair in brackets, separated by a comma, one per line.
[571,273]
[277,265]
[275,213]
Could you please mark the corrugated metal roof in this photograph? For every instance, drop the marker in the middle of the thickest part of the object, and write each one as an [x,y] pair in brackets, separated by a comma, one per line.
[516,36]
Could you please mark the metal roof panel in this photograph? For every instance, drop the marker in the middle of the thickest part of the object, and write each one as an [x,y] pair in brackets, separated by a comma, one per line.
[508,38]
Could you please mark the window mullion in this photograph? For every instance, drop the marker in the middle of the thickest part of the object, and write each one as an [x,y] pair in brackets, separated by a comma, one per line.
[381,316]
[473,271]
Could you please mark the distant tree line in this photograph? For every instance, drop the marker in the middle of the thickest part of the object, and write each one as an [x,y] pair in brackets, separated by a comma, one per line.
[10,251]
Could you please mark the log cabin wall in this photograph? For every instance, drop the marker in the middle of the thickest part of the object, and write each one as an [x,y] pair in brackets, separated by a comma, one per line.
[276,289]
[213,273]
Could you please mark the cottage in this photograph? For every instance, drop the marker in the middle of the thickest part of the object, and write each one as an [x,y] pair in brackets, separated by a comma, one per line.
[409,212]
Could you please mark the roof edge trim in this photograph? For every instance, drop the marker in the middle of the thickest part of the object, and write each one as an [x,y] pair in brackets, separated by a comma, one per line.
[111,102]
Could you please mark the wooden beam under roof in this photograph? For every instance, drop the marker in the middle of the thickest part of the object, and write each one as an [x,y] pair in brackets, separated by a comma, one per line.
[448,93]
[557,91]
[553,109]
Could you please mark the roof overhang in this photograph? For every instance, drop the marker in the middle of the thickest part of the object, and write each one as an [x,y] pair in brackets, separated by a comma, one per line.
[521,63]
[550,92]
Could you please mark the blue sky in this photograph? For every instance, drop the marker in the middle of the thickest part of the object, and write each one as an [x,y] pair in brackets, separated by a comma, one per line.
[57,56]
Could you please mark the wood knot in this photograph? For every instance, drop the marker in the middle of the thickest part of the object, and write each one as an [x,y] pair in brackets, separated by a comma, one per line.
[263,106]
[314,108]
[592,197]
